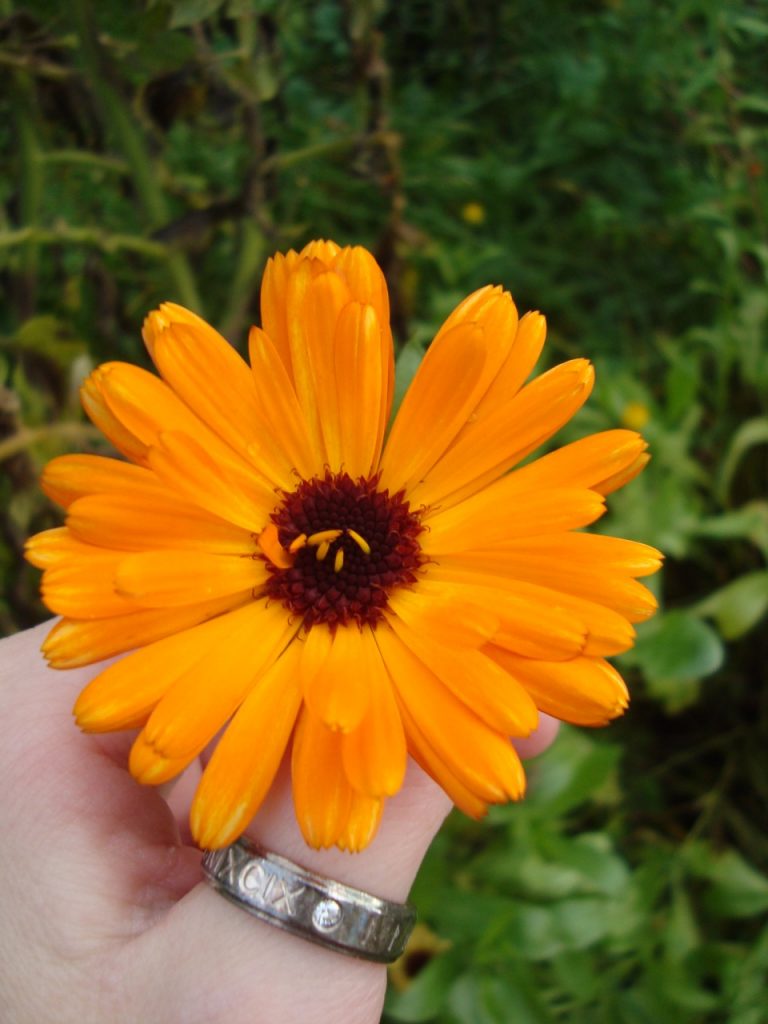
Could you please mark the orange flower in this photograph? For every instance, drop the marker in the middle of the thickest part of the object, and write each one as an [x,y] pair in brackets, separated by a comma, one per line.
[284,572]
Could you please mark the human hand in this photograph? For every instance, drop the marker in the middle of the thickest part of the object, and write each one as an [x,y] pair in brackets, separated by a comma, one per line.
[103,915]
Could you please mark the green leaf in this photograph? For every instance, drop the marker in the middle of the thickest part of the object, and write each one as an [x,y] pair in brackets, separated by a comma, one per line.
[750,522]
[676,654]
[751,433]
[539,932]
[48,337]
[569,773]
[681,934]
[738,889]
[489,999]
[753,103]
[424,997]
[585,865]
[739,605]
[750,26]
[749,984]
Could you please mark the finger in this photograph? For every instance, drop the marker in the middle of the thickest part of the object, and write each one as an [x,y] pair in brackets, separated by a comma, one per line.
[245,957]
[539,740]
[242,951]
[71,814]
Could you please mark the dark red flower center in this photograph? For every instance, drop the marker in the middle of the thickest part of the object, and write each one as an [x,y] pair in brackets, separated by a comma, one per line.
[351,543]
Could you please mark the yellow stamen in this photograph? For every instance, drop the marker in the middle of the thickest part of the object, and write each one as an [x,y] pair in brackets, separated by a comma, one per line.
[361,542]
[338,561]
[323,537]
[297,543]
[323,550]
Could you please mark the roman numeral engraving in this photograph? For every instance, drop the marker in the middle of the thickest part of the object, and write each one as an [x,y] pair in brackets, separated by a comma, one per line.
[222,864]
[376,933]
[270,889]
[229,865]
[395,933]
[371,929]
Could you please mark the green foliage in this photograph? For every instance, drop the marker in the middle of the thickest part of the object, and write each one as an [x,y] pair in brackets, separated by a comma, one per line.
[605,161]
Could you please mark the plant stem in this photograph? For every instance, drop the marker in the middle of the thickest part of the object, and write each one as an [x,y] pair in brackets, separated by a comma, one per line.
[28,436]
[117,115]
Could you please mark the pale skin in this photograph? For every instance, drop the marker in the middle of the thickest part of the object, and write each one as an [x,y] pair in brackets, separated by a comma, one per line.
[103,916]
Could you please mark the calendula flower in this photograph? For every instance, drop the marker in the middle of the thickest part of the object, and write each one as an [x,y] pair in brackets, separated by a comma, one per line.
[284,570]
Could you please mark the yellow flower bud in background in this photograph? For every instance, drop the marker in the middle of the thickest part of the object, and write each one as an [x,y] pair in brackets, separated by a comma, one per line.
[635,415]
[473,213]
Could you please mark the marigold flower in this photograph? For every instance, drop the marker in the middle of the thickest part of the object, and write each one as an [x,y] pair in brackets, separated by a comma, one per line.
[280,567]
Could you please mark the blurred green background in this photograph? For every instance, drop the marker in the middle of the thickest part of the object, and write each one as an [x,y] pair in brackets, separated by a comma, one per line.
[605,161]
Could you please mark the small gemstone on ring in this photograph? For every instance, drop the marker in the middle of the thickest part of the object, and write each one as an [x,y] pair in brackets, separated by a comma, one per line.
[326,915]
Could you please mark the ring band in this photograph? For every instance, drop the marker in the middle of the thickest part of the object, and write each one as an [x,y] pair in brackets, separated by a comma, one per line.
[299,901]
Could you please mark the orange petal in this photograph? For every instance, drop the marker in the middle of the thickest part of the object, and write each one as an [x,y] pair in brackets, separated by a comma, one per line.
[281,408]
[427,759]
[608,632]
[75,642]
[360,389]
[445,615]
[218,386]
[85,588]
[166,579]
[269,543]
[496,514]
[69,477]
[307,339]
[229,492]
[517,367]
[143,403]
[493,694]
[201,700]
[99,413]
[589,462]
[585,691]
[581,550]
[336,680]
[526,623]
[368,287]
[374,753]
[147,407]
[246,758]
[490,444]
[624,476]
[613,589]
[274,303]
[140,521]
[131,687]
[326,297]
[364,279]
[151,768]
[321,249]
[159,320]
[362,823]
[56,547]
[481,758]
[453,376]
[322,796]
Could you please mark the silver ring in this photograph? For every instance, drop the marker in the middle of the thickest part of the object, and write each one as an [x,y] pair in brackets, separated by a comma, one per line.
[310,906]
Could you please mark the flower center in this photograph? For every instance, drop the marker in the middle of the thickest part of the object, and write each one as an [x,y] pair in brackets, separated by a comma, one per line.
[347,545]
